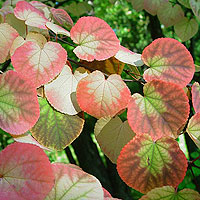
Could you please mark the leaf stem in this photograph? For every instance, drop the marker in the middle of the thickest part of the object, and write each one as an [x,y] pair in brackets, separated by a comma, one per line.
[195,160]
[140,81]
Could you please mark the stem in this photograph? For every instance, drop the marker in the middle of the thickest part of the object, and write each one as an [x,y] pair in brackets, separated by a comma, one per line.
[134,77]
[195,181]
[195,166]
[195,159]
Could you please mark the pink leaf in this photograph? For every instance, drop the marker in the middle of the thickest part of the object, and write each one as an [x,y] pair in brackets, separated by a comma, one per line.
[99,97]
[25,173]
[39,65]
[95,38]
[19,106]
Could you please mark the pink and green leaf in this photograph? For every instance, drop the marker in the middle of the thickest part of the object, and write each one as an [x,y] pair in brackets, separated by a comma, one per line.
[25,172]
[151,164]
[162,111]
[19,108]
[196,97]
[95,39]
[169,60]
[99,97]
[56,130]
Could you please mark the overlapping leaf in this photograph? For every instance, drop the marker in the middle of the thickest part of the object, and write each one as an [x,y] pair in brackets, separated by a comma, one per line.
[55,130]
[162,111]
[113,137]
[195,5]
[186,3]
[168,60]
[196,96]
[193,129]
[61,93]
[168,192]
[73,183]
[186,28]
[25,172]
[31,15]
[95,39]
[151,164]
[7,36]
[138,5]
[19,108]
[99,97]
[57,29]
[151,6]
[39,65]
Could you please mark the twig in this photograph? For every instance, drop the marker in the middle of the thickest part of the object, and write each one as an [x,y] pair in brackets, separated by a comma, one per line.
[140,81]
[195,160]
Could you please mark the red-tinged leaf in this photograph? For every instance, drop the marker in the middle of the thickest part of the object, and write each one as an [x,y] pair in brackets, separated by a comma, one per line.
[19,108]
[62,17]
[106,193]
[31,15]
[126,56]
[168,192]
[61,92]
[99,97]
[151,164]
[193,129]
[152,6]
[169,61]
[57,29]
[40,65]
[162,111]
[196,96]
[95,39]
[25,173]
[7,36]
[72,183]
[19,41]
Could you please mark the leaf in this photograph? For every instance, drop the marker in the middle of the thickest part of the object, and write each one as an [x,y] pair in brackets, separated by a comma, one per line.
[162,111]
[95,39]
[151,164]
[19,108]
[25,172]
[57,29]
[170,15]
[196,97]
[193,129]
[185,3]
[55,130]
[152,6]
[37,37]
[99,97]
[195,5]
[61,92]
[40,65]
[126,56]
[7,36]
[197,68]
[31,15]
[108,66]
[113,137]
[186,28]
[100,124]
[106,193]
[169,61]
[138,5]
[72,183]
[168,192]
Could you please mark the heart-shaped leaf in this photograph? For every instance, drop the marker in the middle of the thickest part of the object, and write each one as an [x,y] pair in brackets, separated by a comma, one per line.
[57,29]
[162,111]
[95,39]
[61,92]
[19,108]
[169,61]
[39,65]
[73,183]
[25,173]
[151,164]
[196,96]
[99,97]
[152,6]
[55,130]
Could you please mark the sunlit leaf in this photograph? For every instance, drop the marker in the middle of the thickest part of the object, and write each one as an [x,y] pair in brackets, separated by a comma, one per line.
[99,97]
[25,173]
[36,37]
[57,29]
[108,66]
[186,3]
[19,108]
[113,137]
[55,130]
[151,6]
[126,56]
[100,124]
[168,192]
[95,39]
[162,111]
[7,36]
[170,15]
[193,129]
[196,96]
[61,93]
[138,5]
[144,164]
[72,183]
[39,65]
[195,5]
[169,61]
[186,28]
[31,15]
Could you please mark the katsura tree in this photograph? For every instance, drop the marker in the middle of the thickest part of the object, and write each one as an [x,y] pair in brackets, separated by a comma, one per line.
[43,100]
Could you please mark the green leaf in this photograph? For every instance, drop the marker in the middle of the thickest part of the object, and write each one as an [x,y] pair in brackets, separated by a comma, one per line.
[185,3]
[195,5]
